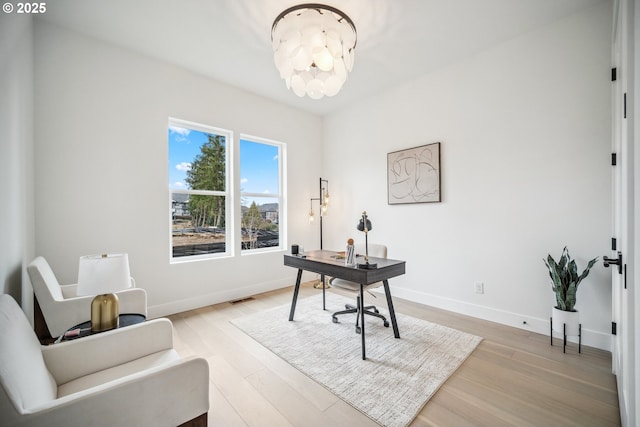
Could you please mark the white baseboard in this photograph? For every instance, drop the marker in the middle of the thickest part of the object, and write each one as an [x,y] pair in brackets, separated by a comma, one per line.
[542,326]
[187,304]
[589,337]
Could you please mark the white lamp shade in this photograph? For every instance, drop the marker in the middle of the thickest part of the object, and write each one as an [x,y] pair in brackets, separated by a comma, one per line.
[103,274]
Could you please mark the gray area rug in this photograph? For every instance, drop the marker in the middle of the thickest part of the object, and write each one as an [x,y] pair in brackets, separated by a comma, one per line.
[399,375]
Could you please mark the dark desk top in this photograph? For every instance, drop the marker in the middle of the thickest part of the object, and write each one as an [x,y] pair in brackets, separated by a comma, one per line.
[325,262]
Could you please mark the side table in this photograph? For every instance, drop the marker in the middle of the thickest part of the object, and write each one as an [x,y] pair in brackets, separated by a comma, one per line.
[84,329]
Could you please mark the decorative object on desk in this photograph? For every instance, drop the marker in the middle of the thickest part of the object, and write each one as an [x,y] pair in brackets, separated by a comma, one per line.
[399,375]
[314,47]
[295,249]
[365,225]
[323,199]
[564,282]
[102,275]
[413,175]
[350,253]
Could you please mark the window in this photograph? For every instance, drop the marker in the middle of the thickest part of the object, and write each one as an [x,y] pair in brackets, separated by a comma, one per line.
[261,192]
[203,223]
[199,189]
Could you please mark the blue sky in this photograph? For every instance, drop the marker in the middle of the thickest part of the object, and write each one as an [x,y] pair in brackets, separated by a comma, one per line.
[258,162]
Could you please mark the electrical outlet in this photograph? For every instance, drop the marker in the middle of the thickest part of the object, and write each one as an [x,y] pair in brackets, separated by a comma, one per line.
[479,287]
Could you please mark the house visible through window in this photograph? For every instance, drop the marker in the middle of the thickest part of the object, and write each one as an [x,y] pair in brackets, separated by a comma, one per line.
[261,193]
[199,188]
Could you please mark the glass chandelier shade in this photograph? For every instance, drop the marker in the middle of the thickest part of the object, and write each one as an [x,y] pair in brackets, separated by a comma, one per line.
[313,48]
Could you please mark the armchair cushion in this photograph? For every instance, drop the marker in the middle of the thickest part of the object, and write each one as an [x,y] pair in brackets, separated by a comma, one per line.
[63,309]
[152,361]
[69,360]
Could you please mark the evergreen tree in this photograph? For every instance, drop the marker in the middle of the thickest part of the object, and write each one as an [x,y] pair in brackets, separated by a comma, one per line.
[208,173]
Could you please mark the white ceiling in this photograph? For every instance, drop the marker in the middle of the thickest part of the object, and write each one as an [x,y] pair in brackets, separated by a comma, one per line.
[229,40]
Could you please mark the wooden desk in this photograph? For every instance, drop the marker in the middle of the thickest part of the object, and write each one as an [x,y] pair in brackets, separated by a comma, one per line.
[325,263]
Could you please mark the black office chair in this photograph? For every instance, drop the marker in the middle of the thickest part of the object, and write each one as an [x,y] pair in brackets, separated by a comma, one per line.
[378,251]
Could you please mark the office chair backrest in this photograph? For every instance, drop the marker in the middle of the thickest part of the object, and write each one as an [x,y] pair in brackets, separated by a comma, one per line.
[375,250]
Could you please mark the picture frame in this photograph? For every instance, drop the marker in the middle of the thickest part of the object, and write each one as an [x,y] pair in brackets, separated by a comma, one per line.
[413,175]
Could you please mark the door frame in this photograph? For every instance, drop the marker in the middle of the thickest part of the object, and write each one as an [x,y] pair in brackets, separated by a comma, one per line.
[626,203]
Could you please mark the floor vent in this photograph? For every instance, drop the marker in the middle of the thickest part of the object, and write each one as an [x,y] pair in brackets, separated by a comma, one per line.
[238,301]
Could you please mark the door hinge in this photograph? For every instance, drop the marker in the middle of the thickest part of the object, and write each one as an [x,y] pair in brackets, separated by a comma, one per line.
[613,244]
[614,328]
[614,74]
[625,105]
[614,159]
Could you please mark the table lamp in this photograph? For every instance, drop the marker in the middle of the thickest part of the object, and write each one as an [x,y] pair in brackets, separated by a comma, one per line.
[102,275]
[365,225]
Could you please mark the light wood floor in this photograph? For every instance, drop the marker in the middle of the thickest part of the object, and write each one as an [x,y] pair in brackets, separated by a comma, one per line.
[513,378]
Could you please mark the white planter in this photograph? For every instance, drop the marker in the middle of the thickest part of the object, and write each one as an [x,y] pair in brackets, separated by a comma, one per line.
[569,318]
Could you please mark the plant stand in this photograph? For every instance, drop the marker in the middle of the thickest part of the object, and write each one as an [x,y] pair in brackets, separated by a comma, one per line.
[564,333]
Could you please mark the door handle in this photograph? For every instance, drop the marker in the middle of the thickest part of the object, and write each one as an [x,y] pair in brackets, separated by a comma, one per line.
[615,261]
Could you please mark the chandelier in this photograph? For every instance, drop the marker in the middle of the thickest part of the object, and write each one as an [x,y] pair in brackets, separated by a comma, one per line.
[313,48]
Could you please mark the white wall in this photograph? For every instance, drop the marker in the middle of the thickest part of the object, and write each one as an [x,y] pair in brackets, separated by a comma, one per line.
[525,133]
[101,166]
[16,154]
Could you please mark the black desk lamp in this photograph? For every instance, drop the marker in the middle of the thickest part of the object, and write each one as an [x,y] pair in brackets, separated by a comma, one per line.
[365,225]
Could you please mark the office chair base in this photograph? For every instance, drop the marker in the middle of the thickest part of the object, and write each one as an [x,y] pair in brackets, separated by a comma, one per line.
[368,310]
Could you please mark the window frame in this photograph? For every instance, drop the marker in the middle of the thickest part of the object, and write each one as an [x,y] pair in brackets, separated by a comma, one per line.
[280,196]
[227,193]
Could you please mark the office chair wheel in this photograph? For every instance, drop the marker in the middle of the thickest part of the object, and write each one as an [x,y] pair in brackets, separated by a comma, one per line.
[358,330]
[334,319]
[386,324]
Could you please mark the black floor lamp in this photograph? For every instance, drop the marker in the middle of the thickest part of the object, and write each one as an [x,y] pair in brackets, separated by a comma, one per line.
[323,199]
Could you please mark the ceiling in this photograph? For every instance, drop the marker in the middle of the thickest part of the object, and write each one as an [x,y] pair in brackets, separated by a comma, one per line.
[229,40]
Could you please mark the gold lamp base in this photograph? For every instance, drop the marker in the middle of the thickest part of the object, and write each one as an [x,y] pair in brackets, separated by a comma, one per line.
[104,312]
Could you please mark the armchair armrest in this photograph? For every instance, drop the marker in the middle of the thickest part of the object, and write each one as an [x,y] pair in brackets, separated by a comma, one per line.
[69,291]
[133,300]
[73,359]
[164,396]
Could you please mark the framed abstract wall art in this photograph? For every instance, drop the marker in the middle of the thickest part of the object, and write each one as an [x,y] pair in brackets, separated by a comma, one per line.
[413,175]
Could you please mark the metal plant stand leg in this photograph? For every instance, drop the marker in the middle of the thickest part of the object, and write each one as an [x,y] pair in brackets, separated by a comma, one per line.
[564,336]
[579,337]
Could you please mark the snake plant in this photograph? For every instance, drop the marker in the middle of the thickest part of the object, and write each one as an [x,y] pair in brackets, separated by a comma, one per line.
[565,279]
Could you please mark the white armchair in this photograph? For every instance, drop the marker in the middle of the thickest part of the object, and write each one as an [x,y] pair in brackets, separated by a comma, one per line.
[130,376]
[60,306]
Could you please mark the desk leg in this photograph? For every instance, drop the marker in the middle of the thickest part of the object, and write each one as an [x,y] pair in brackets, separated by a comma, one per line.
[361,308]
[392,312]
[295,295]
[324,305]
